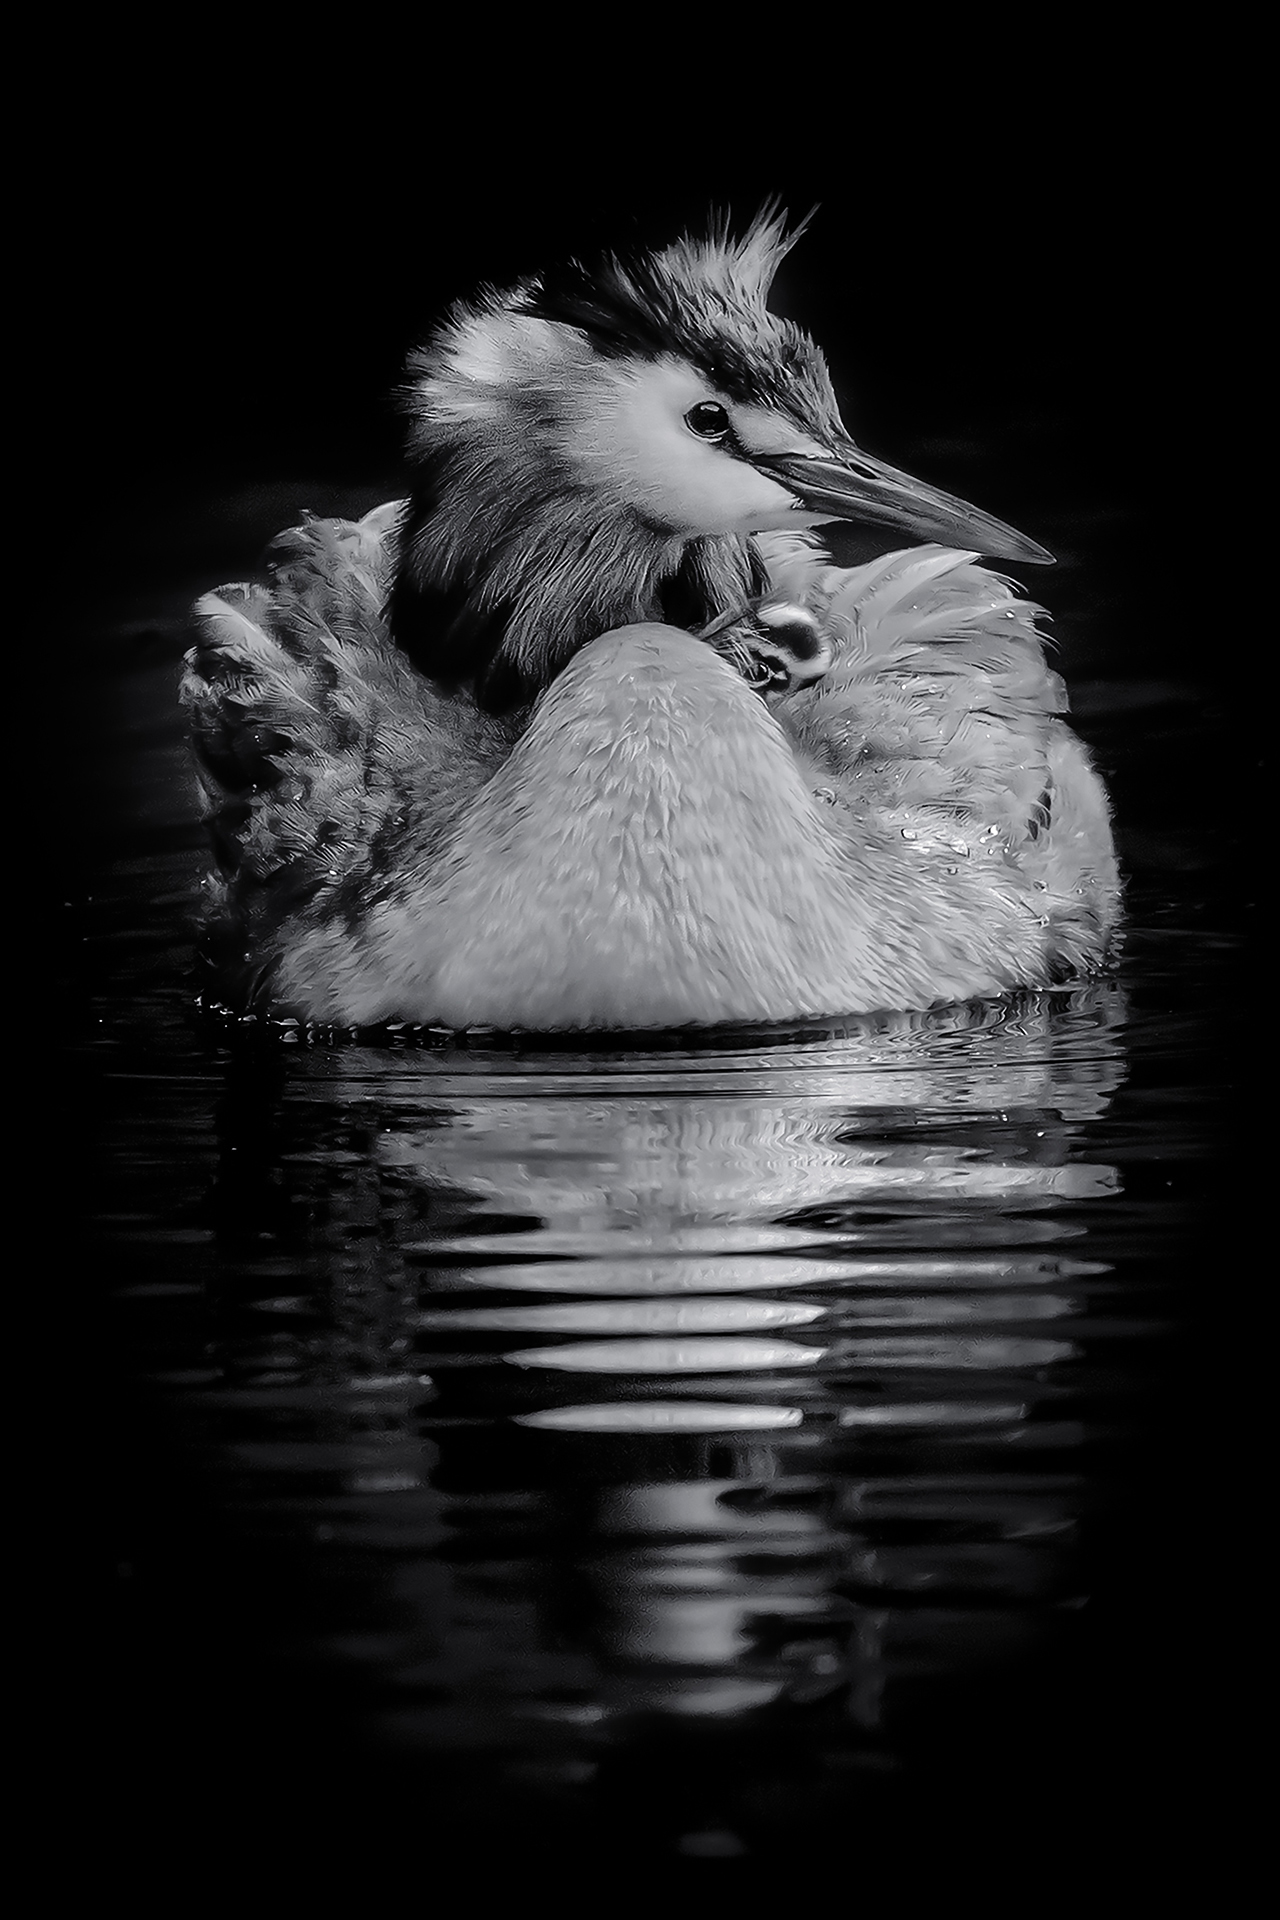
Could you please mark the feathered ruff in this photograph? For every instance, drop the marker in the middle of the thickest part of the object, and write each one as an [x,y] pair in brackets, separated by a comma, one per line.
[510,568]
[652,845]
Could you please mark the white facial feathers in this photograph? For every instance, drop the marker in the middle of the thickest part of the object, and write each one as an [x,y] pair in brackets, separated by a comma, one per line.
[631,438]
[613,428]
[481,361]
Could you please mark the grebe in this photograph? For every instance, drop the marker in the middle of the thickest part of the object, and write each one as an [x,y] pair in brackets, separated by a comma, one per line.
[589,732]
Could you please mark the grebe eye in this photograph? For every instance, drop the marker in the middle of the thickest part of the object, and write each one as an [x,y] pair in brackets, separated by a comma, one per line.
[707,420]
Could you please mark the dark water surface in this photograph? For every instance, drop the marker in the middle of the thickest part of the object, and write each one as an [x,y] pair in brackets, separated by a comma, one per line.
[692,1456]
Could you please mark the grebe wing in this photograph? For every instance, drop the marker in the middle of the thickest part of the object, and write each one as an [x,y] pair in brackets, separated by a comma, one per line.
[940,713]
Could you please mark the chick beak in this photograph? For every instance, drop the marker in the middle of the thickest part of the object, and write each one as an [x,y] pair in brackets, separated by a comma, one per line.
[850,485]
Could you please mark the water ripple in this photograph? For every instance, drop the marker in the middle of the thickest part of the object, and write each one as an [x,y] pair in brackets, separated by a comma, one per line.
[662,1416]
[668,1356]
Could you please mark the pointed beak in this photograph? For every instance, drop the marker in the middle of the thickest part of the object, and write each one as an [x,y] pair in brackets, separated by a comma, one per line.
[850,485]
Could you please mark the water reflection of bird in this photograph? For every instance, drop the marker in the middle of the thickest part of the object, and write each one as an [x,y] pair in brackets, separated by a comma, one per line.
[592,733]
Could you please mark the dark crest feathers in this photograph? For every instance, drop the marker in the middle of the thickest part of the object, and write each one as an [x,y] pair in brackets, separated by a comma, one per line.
[702,300]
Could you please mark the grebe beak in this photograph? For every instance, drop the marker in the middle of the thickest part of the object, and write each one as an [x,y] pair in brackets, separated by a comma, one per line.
[850,485]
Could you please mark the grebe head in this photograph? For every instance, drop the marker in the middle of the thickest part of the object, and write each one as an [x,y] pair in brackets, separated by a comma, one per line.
[595,447]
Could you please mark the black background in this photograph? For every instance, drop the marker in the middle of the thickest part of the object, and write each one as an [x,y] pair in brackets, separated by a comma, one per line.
[1025,271]
[1016,270]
